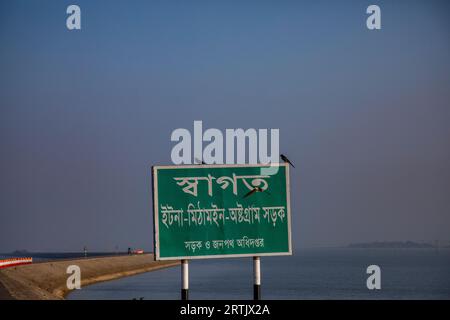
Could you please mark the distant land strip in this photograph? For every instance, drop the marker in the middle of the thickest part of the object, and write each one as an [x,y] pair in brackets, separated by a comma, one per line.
[47,280]
[399,244]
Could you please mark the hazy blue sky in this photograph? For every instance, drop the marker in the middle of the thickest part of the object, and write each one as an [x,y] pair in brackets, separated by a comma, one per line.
[364,115]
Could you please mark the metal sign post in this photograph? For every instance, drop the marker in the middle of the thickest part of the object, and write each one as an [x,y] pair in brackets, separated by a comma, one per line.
[184,280]
[256,278]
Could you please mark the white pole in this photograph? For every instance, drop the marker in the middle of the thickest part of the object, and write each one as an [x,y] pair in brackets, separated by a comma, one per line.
[184,280]
[256,278]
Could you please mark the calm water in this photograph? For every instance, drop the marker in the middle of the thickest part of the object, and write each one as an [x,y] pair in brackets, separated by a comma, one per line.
[309,274]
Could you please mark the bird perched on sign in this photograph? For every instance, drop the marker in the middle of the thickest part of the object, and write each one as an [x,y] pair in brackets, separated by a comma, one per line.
[285,159]
[254,190]
[200,161]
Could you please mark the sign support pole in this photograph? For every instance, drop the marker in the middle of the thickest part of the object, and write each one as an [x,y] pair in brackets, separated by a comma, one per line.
[257,278]
[184,280]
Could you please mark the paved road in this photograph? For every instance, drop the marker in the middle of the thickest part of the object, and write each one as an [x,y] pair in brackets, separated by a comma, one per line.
[48,280]
[4,294]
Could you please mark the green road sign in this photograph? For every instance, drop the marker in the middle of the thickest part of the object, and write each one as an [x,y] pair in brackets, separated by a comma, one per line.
[217,211]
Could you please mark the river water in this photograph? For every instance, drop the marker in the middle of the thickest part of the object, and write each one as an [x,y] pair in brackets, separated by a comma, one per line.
[308,274]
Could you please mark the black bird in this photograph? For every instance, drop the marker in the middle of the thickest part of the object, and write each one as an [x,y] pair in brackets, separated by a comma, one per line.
[199,162]
[256,189]
[285,159]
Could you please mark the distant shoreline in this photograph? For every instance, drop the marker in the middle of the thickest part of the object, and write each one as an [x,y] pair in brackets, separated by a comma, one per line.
[47,280]
[396,245]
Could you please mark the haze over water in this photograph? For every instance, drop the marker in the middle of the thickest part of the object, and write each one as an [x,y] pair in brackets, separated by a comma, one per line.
[84,114]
